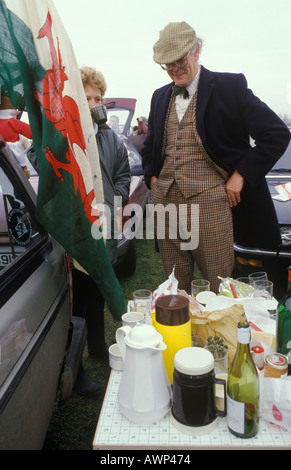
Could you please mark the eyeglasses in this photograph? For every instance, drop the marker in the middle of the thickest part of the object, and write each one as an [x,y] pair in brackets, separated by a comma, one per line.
[179,63]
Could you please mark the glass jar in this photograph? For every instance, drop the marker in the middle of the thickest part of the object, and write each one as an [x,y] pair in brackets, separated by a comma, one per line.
[276,365]
[193,406]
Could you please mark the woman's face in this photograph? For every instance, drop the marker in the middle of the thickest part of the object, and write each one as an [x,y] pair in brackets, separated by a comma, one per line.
[93,95]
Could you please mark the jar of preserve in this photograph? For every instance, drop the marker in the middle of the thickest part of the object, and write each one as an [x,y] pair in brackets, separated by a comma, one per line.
[276,365]
[193,401]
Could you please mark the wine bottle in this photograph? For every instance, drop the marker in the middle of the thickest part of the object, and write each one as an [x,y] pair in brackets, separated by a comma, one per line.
[243,388]
[283,321]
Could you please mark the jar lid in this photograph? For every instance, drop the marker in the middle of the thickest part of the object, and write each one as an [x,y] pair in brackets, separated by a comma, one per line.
[172,310]
[258,349]
[193,361]
[276,360]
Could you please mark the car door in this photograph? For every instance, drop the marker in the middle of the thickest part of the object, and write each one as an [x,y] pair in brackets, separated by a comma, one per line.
[34,314]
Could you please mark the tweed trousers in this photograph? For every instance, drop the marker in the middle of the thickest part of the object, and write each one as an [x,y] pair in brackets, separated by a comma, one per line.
[213,231]
[190,179]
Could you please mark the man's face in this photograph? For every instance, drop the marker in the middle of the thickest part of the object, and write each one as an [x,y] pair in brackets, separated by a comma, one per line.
[183,76]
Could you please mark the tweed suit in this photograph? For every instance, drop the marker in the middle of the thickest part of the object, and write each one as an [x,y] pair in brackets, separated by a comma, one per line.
[190,177]
[228,113]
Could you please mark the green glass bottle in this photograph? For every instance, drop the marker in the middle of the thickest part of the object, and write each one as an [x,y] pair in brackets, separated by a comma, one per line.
[243,388]
[283,321]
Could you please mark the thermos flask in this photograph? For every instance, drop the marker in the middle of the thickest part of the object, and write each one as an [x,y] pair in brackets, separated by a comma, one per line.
[172,321]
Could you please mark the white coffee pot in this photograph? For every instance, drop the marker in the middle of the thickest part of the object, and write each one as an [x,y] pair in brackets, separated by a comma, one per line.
[144,394]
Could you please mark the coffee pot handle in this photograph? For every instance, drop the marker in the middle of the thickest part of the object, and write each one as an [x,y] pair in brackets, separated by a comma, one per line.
[221,382]
[119,336]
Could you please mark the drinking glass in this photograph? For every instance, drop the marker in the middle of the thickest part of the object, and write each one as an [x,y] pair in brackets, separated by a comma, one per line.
[142,300]
[246,280]
[220,355]
[258,276]
[263,289]
[198,341]
[199,285]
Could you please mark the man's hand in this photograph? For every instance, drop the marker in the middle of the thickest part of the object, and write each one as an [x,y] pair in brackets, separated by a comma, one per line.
[233,188]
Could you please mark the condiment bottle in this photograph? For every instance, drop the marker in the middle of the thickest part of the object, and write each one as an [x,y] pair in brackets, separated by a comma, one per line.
[258,356]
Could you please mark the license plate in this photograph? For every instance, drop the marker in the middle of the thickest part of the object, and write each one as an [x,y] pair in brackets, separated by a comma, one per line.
[7,258]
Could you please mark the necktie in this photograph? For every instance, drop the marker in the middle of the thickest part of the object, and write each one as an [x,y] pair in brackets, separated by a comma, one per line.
[177,90]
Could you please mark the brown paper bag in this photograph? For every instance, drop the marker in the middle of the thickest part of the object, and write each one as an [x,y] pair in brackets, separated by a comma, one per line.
[220,326]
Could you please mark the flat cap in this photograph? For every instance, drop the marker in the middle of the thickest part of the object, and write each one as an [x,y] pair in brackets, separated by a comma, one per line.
[176,40]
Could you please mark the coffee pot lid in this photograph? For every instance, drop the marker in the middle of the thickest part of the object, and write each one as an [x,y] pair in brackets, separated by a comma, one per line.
[143,336]
[193,361]
[172,310]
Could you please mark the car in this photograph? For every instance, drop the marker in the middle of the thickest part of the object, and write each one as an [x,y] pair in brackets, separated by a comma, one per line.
[274,262]
[40,341]
[121,111]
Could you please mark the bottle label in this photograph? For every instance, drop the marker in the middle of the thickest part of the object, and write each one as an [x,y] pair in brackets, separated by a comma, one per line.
[235,415]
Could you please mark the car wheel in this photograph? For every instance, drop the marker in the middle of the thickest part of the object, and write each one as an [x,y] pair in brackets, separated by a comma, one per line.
[127,267]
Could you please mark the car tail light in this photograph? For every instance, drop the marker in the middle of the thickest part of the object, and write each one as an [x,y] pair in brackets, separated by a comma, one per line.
[250,262]
[70,276]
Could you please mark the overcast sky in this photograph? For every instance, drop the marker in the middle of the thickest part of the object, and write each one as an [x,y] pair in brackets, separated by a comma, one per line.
[248,36]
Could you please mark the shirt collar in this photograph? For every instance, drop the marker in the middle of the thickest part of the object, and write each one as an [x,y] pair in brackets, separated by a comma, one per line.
[194,84]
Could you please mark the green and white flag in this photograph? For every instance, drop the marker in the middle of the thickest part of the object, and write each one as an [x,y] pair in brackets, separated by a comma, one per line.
[38,71]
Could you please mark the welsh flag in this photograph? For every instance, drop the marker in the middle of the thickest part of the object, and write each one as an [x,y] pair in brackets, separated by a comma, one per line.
[39,72]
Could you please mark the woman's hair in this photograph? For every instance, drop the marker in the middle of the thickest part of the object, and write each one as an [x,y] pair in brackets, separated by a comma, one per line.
[93,78]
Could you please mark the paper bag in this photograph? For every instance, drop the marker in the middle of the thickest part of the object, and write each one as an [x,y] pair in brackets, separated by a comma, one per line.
[275,400]
[220,326]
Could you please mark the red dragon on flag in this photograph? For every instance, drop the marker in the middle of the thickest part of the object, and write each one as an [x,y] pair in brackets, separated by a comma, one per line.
[63,112]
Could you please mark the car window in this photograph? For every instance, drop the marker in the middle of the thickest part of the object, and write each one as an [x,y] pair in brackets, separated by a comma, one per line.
[21,239]
[19,231]
[285,161]
[116,119]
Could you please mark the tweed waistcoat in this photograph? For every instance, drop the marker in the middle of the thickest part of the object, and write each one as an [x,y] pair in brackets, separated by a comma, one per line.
[185,160]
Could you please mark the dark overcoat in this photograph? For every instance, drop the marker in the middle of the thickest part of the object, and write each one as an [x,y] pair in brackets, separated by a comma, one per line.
[228,114]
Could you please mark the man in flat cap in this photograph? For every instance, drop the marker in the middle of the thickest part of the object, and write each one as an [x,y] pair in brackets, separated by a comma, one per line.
[197,153]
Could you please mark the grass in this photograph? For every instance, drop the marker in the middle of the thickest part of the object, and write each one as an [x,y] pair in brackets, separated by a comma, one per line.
[74,421]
